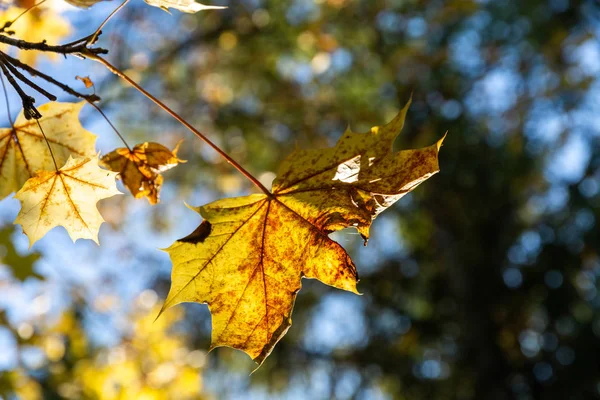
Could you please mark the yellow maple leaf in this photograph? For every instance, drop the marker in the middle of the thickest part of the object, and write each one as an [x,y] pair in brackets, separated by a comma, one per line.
[23,150]
[247,258]
[38,24]
[66,197]
[140,167]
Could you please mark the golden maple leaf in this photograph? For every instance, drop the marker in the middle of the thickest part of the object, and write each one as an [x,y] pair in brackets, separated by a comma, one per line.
[247,258]
[23,150]
[36,25]
[140,167]
[66,197]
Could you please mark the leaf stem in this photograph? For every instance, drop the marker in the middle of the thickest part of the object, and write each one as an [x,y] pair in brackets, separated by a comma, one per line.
[179,119]
[94,37]
[111,124]
[47,144]
[12,124]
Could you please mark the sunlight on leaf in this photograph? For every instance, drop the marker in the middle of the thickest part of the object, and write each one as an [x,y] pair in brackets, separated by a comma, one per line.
[140,167]
[186,6]
[23,150]
[247,258]
[84,3]
[66,197]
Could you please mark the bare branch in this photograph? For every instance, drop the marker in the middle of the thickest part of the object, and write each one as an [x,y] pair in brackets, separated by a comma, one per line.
[26,80]
[34,72]
[75,48]
[29,109]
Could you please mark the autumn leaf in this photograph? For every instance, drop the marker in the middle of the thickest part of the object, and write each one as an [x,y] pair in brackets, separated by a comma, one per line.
[66,197]
[23,150]
[38,24]
[88,83]
[247,258]
[187,6]
[140,167]
[84,3]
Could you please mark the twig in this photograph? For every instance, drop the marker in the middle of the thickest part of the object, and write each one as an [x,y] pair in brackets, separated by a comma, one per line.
[25,80]
[182,121]
[75,48]
[29,109]
[111,125]
[12,124]
[99,30]
[34,72]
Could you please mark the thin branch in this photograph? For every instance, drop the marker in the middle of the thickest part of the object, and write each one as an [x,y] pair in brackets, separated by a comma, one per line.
[12,123]
[111,125]
[75,48]
[34,72]
[48,144]
[182,121]
[29,109]
[112,14]
[25,80]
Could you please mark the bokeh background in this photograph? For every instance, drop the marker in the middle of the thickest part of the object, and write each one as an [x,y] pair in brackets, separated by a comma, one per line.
[481,284]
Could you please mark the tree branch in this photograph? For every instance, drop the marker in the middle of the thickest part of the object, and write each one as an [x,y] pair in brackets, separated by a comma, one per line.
[182,121]
[29,109]
[26,80]
[34,72]
[75,48]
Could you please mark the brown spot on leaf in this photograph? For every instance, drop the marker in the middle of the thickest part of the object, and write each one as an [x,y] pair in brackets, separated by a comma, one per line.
[199,235]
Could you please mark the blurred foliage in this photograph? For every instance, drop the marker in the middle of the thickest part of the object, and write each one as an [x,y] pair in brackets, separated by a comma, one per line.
[483,283]
[21,266]
[38,24]
[151,362]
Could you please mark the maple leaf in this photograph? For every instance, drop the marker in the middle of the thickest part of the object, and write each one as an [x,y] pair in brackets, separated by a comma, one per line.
[187,6]
[23,150]
[66,197]
[247,258]
[140,167]
[84,3]
[38,24]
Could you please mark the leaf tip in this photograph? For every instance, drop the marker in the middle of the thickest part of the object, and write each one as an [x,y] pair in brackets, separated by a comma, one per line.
[197,209]
[176,149]
[160,312]
[408,103]
[440,142]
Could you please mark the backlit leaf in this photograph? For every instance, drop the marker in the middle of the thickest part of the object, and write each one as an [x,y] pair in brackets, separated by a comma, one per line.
[23,150]
[140,167]
[247,258]
[66,197]
[84,3]
[187,6]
